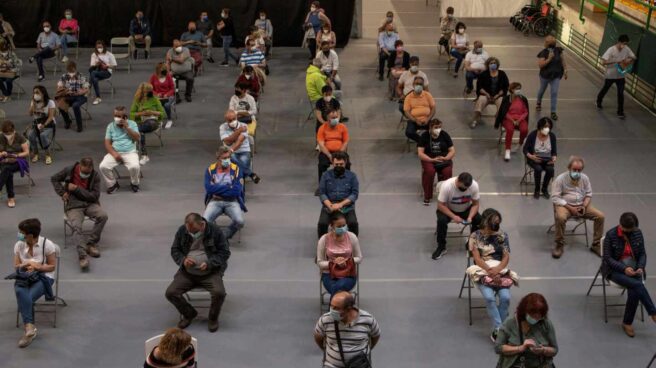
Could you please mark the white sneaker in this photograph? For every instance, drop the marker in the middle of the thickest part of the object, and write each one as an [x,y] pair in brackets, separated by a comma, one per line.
[144,160]
[169,124]
[506,157]
[65,59]
[97,101]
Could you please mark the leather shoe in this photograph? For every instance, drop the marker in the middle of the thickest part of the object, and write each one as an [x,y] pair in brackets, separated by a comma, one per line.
[557,251]
[213,325]
[93,251]
[84,263]
[596,249]
[628,330]
[185,322]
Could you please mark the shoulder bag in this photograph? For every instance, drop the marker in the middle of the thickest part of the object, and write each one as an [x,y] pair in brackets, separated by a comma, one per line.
[359,361]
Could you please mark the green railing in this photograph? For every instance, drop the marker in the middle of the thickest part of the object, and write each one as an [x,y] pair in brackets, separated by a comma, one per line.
[588,51]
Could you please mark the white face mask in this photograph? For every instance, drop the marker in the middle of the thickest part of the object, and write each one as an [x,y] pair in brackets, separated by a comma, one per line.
[100,50]
[327,98]
[414,69]
[262,17]
[178,49]
[161,79]
[248,76]
[545,131]
[233,124]
[313,9]
[224,15]
[37,97]
[46,29]
[117,119]
[9,136]
[461,31]
[437,131]
[72,74]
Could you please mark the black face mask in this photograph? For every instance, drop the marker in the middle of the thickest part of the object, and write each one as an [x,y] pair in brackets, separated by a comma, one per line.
[237,93]
[339,170]
[495,227]
[163,73]
[192,31]
[326,53]
[462,190]
[149,94]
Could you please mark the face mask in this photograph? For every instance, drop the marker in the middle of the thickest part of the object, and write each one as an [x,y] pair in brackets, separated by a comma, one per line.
[9,136]
[100,50]
[116,120]
[414,69]
[390,19]
[334,122]
[336,316]
[419,88]
[72,74]
[518,92]
[178,49]
[84,176]
[327,98]
[495,227]
[247,76]
[20,236]
[196,235]
[225,163]
[575,175]
[149,94]
[192,30]
[389,33]
[69,16]
[342,229]
[233,124]
[449,16]
[339,171]
[204,18]
[478,50]
[37,97]
[545,130]
[326,31]
[163,73]
[461,31]
[224,15]
[437,131]
[262,17]
[46,29]
[494,67]
[237,93]
[399,49]
[531,321]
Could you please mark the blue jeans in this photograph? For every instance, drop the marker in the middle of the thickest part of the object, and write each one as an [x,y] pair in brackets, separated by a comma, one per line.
[243,160]
[166,103]
[76,103]
[636,293]
[6,86]
[45,137]
[232,209]
[227,40]
[65,39]
[470,76]
[554,83]
[96,76]
[459,58]
[45,53]
[497,313]
[335,285]
[26,297]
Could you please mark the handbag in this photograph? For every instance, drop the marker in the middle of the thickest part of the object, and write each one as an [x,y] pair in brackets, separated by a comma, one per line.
[359,361]
[504,282]
[26,279]
[339,272]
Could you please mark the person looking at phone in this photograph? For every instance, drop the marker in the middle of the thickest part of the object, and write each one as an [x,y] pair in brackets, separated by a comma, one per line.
[457,201]
[571,195]
[541,153]
[121,138]
[527,339]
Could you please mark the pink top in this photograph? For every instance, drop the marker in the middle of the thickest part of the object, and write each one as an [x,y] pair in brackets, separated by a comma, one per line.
[164,89]
[517,111]
[338,248]
[72,24]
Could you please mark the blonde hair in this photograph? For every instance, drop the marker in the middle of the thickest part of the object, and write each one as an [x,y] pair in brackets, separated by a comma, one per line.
[174,342]
[141,91]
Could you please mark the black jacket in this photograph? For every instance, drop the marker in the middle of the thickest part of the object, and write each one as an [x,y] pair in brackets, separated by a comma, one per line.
[529,144]
[391,59]
[80,197]
[214,242]
[614,247]
[484,81]
[505,106]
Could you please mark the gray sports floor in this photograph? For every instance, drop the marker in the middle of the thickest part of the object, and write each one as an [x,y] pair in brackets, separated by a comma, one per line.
[272,282]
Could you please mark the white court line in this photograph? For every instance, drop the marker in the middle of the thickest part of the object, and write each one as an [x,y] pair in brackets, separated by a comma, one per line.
[443,68]
[490,194]
[371,45]
[528,98]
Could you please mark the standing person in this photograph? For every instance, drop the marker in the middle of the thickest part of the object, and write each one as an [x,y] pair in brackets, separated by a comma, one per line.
[43,111]
[46,45]
[206,28]
[72,89]
[528,338]
[78,186]
[32,254]
[140,34]
[9,70]
[624,263]
[541,152]
[386,46]
[447,27]
[618,60]
[7,32]
[312,25]
[102,62]
[164,89]
[226,29]
[148,113]
[435,150]
[14,153]
[266,29]
[68,31]
[513,114]
[552,69]
[201,252]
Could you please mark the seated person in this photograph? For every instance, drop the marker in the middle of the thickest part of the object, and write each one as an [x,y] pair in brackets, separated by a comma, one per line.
[32,253]
[397,63]
[327,35]
[338,192]
[255,35]
[474,64]
[181,65]
[457,201]
[513,114]
[324,105]
[72,90]
[314,81]
[338,253]
[389,19]
[447,27]
[571,194]
[491,86]
[540,150]
[332,137]
[386,42]
[43,111]
[459,46]
[330,65]
[435,151]
[247,76]
[148,113]
[245,107]
[102,62]
[121,138]
[46,45]
[140,33]
[266,29]
[68,31]
[405,82]
[624,263]
[174,350]
[201,252]
[235,136]
[255,58]
[164,90]
[78,186]
[7,32]
[14,153]
[193,40]
[224,191]
[9,70]
[419,108]
[490,251]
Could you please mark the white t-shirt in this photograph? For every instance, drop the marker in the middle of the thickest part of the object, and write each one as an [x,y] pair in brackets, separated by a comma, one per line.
[460,39]
[21,250]
[107,58]
[456,200]
[407,78]
[225,131]
[615,56]
[43,110]
[477,61]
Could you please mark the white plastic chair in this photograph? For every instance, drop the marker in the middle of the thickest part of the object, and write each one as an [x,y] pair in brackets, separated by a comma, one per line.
[121,42]
[151,343]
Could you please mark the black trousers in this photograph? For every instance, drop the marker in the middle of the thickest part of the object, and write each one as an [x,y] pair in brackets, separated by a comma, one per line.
[188,77]
[414,131]
[443,223]
[324,220]
[7,177]
[538,168]
[184,281]
[382,60]
[620,92]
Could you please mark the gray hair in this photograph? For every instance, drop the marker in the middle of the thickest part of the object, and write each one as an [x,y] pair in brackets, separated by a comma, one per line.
[222,150]
[573,159]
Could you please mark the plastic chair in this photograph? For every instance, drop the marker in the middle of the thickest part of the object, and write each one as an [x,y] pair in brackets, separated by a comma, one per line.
[151,343]
[580,221]
[121,42]
[325,305]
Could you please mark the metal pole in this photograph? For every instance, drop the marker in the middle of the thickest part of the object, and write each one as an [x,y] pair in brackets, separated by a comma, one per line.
[648,19]
[581,12]
[611,7]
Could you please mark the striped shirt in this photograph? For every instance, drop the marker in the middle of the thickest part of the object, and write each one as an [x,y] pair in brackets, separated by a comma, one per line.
[74,84]
[355,337]
[252,58]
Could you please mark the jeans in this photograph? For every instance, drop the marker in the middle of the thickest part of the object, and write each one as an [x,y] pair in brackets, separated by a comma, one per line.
[6,86]
[499,313]
[75,102]
[243,160]
[459,58]
[75,218]
[324,219]
[636,293]
[538,168]
[184,281]
[167,102]
[65,39]
[147,126]
[45,53]
[443,224]
[554,83]
[42,140]
[413,130]
[96,76]
[227,40]
[26,297]
[232,209]
[620,92]
[7,177]
[428,172]
[334,285]
[382,60]
[469,77]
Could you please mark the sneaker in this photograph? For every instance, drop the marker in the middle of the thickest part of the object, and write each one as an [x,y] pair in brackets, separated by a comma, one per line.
[48,159]
[40,78]
[186,321]
[598,104]
[30,334]
[35,158]
[506,157]
[188,98]
[596,249]
[210,60]
[113,188]
[554,116]
[84,263]
[97,101]
[147,54]
[224,63]
[93,250]
[317,148]
[134,187]
[468,90]
[144,160]
[439,253]
[536,194]
[621,115]
[169,124]
[31,59]
[64,59]
[473,124]
[493,335]
[380,77]
[426,202]
[256,179]
[546,195]
[557,251]
[317,192]
[213,325]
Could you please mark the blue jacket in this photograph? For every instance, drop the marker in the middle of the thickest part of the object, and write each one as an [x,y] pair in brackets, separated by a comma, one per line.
[614,247]
[234,190]
[336,188]
[143,29]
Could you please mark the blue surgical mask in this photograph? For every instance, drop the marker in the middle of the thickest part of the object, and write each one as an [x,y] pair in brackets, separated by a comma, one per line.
[196,235]
[575,175]
[20,236]
[531,320]
[335,315]
[341,230]
[494,66]
[225,163]
[334,122]
[419,88]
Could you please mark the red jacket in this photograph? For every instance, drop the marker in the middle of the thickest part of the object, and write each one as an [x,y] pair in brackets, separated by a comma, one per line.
[254,89]
[166,89]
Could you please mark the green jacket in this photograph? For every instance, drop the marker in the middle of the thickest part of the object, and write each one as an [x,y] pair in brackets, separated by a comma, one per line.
[314,81]
[152,104]
[543,333]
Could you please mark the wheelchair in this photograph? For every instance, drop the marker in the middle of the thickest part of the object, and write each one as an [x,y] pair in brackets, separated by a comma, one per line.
[538,19]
